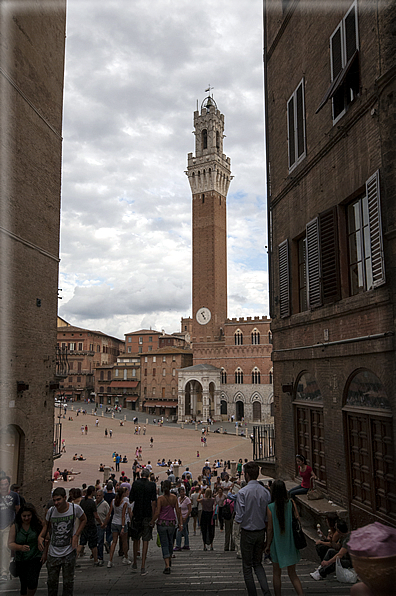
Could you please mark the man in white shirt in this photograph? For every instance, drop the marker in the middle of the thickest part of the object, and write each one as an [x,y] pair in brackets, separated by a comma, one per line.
[251,512]
[62,551]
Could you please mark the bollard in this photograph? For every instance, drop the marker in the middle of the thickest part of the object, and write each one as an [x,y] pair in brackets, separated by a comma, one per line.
[102,414]
[221,430]
[236,430]
[182,425]
[124,417]
[72,408]
[176,470]
[146,421]
[93,412]
[233,466]
[196,426]
[112,415]
[106,474]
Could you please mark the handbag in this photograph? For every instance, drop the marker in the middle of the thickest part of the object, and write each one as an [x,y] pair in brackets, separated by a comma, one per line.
[314,494]
[298,534]
[13,568]
[345,575]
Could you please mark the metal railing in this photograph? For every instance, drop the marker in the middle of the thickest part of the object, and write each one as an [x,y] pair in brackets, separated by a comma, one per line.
[264,442]
[62,364]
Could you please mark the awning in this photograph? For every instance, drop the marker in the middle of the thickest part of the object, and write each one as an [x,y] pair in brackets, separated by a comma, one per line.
[135,398]
[338,81]
[121,384]
[166,404]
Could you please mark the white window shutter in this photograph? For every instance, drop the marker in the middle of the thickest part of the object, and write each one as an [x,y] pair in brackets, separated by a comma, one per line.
[284,279]
[376,242]
[314,282]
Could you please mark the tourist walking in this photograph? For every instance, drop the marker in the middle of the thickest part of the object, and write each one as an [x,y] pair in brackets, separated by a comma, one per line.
[194,496]
[220,498]
[207,522]
[23,540]
[228,519]
[9,507]
[89,535]
[61,520]
[167,514]
[119,507]
[280,540]
[102,508]
[143,495]
[251,512]
[185,507]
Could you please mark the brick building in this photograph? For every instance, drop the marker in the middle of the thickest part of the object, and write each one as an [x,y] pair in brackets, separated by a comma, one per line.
[118,384]
[232,370]
[330,88]
[159,379]
[87,351]
[31,90]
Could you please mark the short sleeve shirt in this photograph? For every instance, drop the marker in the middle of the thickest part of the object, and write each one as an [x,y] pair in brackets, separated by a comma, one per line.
[143,493]
[184,505]
[7,509]
[89,508]
[62,529]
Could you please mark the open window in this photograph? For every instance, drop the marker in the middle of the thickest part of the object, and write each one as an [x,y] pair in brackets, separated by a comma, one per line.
[344,64]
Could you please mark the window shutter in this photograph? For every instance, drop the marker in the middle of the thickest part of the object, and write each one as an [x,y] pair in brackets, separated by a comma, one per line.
[377,251]
[336,52]
[314,292]
[329,255]
[350,33]
[284,279]
[300,121]
[290,127]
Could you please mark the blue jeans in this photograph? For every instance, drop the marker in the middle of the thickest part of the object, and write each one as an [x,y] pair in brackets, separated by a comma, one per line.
[252,546]
[101,535]
[166,534]
[184,533]
[297,490]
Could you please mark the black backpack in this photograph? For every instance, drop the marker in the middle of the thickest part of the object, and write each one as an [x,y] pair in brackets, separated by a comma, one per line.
[226,512]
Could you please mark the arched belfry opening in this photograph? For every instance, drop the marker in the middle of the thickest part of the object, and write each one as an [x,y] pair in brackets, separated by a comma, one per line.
[204,139]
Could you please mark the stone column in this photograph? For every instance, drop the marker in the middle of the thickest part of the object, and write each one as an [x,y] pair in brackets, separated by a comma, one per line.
[205,404]
[180,408]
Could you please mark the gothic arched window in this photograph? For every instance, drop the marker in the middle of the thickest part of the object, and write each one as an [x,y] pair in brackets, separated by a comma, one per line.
[223,376]
[217,140]
[238,337]
[239,376]
[256,376]
[255,337]
[204,139]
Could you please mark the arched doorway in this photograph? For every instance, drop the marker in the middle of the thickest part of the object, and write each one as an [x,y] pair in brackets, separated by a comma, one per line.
[309,423]
[369,449]
[223,407]
[239,410]
[256,411]
[211,400]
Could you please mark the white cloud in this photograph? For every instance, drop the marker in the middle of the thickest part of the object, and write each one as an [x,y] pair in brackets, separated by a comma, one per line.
[134,71]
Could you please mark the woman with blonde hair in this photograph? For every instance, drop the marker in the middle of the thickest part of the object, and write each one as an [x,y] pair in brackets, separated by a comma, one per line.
[207,522]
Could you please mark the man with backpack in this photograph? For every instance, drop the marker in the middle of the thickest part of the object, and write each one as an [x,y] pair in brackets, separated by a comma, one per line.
[62,553]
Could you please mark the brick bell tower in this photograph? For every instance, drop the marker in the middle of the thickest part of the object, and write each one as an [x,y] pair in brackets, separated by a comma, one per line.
[209,175]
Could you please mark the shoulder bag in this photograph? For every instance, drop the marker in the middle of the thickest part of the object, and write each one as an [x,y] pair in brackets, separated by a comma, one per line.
[298,534]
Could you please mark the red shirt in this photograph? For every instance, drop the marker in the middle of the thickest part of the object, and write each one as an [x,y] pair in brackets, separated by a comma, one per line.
[306,476]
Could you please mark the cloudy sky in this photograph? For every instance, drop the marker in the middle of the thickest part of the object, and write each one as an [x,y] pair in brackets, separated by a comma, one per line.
[134,72]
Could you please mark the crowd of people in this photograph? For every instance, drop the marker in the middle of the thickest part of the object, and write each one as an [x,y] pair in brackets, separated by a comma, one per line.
[256,520]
